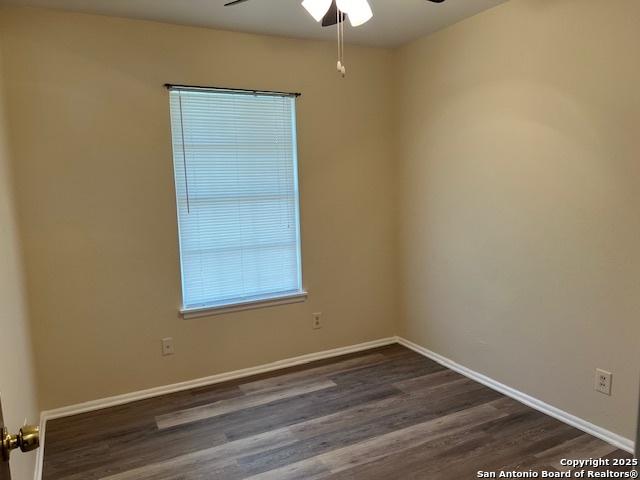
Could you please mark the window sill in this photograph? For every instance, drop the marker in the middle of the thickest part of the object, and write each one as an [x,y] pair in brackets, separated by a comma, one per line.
[189,313]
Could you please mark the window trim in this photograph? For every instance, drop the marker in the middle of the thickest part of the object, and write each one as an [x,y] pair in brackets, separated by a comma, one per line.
[242,305]
[270,299]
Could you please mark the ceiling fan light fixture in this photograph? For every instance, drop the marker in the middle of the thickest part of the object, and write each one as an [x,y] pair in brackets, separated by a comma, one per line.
[317,8]
[358,11]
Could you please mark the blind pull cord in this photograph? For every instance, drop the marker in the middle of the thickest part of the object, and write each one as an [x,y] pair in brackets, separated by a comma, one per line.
[184,154]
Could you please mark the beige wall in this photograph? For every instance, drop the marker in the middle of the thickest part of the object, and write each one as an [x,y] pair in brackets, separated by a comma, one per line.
[518,188]
[521,199]
[17,379]
[95,190]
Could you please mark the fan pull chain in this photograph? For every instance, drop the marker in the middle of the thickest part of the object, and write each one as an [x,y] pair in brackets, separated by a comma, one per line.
[339,25]
[344,69]
[339,65]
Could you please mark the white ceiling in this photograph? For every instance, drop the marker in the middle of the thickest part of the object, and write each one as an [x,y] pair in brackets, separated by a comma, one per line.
[395,21]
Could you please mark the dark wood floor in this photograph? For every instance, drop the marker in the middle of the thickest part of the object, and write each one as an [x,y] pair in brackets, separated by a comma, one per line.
[385,414]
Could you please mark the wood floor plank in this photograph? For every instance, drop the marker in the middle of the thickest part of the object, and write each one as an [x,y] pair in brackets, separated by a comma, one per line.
[286,380]
[392,371]
[233,405]
[401,465]
[294,411]
[374,412]
[222,455]
[119,459]
[79,430]
[500,448]
[451,458]
[368,421]
[429,381]
[390,443]
[580,448]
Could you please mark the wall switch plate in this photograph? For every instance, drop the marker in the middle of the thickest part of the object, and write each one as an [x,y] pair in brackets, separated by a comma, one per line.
[167,346]
[603,381]
[317,321]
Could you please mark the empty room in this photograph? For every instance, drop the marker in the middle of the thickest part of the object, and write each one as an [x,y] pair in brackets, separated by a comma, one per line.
[319,239]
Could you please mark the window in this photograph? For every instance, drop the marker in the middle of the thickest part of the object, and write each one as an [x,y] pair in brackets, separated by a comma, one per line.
[235,165]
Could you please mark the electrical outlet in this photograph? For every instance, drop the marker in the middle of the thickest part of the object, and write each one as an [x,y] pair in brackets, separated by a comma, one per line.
[167,346]
[603,381]
[317,321]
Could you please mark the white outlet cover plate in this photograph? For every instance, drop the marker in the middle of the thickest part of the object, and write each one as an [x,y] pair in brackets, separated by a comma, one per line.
[603,381]
[167,346]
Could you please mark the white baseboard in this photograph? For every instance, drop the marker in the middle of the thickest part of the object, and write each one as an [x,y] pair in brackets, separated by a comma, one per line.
[212,380]
[610,437]
[614,439]
[200,382]
[37,474]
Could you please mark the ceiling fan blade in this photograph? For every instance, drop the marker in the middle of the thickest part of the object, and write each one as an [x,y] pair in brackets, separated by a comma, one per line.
[331,17]
[235,2]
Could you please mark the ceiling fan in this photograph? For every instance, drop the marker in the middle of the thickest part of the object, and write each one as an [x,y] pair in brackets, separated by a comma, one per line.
[335,12]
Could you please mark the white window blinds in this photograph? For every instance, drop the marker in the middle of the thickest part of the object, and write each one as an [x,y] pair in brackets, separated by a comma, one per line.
[235,165]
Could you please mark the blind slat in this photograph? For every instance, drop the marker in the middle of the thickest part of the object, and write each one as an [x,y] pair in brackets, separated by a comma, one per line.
[235,166]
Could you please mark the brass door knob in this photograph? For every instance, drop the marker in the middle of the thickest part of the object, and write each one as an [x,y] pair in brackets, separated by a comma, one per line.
[27,439]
